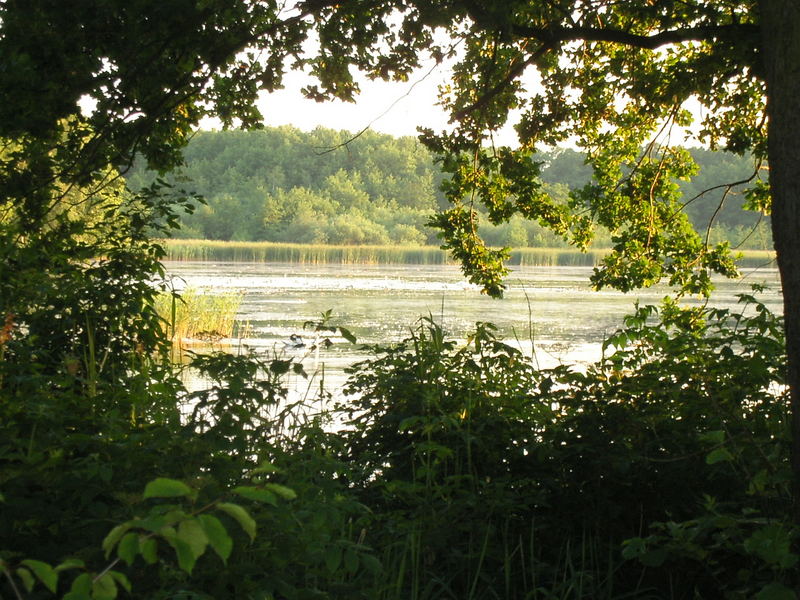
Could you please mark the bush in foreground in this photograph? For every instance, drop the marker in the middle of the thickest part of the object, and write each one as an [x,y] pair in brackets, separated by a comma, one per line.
[460,472]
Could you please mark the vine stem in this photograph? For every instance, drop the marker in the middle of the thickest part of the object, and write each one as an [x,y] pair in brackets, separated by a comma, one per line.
[110,566]
[13,585]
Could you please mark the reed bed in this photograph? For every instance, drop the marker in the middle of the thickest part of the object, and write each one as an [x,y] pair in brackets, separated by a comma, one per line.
[214,250]
[753,259]
[200,314]
[556,257]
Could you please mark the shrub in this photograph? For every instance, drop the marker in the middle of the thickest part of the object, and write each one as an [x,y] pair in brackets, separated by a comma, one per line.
[489,479]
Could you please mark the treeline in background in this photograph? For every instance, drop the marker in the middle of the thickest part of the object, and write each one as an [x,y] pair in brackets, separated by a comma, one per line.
[324,187]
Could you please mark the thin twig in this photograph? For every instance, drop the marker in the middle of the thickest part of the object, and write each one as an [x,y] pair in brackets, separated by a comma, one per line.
[320,151]
[13,584]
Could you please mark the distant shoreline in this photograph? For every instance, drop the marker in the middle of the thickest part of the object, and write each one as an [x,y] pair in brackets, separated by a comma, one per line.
[216,250]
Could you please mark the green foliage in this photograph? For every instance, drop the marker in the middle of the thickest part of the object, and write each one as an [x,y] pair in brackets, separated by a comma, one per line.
[613,79]
[463,471]
[383,190]
[243,472]
[188,530]
[377,190]
[93,412]
[494,478]
[469,473]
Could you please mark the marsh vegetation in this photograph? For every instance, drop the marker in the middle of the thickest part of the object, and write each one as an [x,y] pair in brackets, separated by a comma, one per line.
[199,315]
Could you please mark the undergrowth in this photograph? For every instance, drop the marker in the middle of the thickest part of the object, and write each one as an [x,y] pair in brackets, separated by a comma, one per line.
[452,471]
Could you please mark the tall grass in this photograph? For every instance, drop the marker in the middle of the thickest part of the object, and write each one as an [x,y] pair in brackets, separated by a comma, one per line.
[199,314]
[556,257]
[214,250]
[752,259]
[208,250]
[302,253]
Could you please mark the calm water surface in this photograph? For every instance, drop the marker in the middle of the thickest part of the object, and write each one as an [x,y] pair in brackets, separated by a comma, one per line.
[551,313]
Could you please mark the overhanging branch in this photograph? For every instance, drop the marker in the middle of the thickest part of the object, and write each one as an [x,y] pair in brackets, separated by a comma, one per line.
[555,33]
[560,34]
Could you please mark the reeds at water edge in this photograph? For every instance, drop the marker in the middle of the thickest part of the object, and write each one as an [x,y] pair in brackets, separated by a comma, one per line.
[201,315]
[266,252]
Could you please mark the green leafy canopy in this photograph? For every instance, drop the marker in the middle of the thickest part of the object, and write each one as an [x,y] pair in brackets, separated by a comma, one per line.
[613,78]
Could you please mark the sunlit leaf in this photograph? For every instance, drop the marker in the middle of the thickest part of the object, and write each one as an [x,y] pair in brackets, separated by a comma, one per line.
[70,563]
[184,552]
[44,572]
[166,488]
[128,547]
[149,550]
[81,588]
[264,467]
[104,588]
[192,532]
[281,490]
[122,580]
[26,577]
[241,516]
[255,493]
[113,537]
[217,535]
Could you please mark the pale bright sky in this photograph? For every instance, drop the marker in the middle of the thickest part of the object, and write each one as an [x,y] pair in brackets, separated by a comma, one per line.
[388,107]
[396,108]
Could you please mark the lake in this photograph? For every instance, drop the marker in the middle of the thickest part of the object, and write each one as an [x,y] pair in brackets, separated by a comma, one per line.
[550,313]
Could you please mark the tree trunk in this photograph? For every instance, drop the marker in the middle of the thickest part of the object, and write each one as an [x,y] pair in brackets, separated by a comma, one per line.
[780,30]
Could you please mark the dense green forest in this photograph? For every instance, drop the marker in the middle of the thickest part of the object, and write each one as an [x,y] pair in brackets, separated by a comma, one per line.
[323,187]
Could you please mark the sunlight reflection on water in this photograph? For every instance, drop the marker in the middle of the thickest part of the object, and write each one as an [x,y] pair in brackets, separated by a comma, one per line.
[551,310]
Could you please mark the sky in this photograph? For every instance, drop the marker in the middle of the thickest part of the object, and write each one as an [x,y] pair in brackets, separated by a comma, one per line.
[395,108]
[388,107]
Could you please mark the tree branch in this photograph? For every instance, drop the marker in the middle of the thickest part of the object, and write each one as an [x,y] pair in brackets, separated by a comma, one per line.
[514,72]
[560,34]
[554,34]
